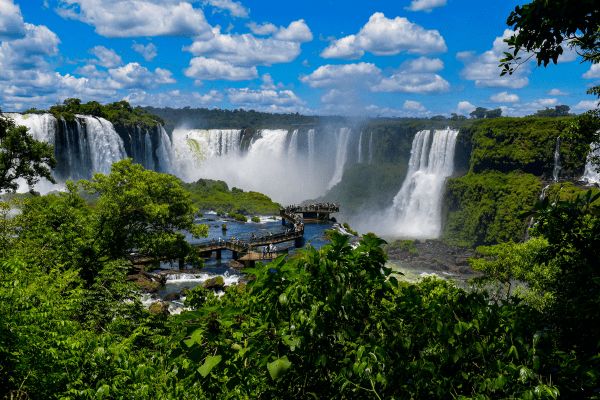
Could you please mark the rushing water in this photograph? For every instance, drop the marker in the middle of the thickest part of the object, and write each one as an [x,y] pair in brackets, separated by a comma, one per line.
[591,174]
[341,154]
[557,166]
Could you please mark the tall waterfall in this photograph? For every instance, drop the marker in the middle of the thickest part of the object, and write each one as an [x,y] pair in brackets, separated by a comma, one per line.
[164,151]
[416,211]
[371,148]
[41,126]
[591,175]
[311,147]
[360,157]
[343,135]
[105,145]
[293,146]
[557,166]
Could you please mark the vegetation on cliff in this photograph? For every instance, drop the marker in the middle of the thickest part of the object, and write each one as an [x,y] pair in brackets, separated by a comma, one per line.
[120,113]
[207,194]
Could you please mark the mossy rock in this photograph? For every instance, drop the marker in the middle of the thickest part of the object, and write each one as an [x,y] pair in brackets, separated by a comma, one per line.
[216,283]
[159,308]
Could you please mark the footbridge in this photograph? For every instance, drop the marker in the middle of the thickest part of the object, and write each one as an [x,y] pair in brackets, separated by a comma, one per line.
[293,217]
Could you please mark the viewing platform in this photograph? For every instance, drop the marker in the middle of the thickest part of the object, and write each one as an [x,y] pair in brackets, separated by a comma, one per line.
[244,250]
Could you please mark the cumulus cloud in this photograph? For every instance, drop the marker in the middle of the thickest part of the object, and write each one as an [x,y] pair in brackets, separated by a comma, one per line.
[296,31]
[411,105]
[425,5]
[246,49]
[505,97]
[484,71]
[147,51]
[593,72]
[202,68]
[106,57]
[262,29]
[12,25]
[384,36]
[29,51]
[135,18]
[235,8]
[556,92]
[174,98]
[343,75]
[464,107]
[415,76]
[265,99]
[134,75]
[586,105]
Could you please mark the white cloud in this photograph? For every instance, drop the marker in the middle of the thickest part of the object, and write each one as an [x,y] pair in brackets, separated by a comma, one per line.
[412,83]
[134,75]
[268,83]
[505,97]
[411,105]
[343,75]
[593,72]
[297,31]
[106,57]
[261,99]
[464,107]
[556,92]
[262,29]
[586,105]
[235,8]
[542,103]
[90,71]
[484,71]
[147,51]
[12,25]
[415,76]
[245,49]
[28,52]
[174,98]
[383,36]
[202,68]
[425,5]
[135,18]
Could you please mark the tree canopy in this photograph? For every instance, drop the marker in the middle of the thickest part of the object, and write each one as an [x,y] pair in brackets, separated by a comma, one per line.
[22,157]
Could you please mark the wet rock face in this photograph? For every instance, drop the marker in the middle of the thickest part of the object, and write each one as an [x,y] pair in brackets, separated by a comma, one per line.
[159,308]
[216,283]
[431,254]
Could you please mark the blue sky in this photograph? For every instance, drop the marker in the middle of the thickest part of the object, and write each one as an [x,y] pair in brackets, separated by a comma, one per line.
[377,57]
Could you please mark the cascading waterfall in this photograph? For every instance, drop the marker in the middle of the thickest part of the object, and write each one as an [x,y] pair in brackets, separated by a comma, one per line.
[106,146]
[311,147]
[41,126]
[360,157]
[371,148]
[557,166]
[342,136]
[148,153]
[591,175]
[293,146]
[164,151]
[416,211]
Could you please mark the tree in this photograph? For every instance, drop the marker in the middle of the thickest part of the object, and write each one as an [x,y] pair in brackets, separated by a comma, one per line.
[481,113]
[557,111]
[22,157]
[543,29]
[142,211]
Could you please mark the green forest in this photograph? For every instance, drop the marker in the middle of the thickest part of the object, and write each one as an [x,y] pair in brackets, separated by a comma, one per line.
[332,323]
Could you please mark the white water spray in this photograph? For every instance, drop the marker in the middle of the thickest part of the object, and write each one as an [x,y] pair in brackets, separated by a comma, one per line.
[343,135]
[360,157]
[591,175]
[557,166]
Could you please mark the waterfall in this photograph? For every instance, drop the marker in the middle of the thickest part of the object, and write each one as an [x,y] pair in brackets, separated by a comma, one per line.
[591,175]
[342,136]
[557,166]
[164,150]
[360,160]
[105,145]
[371,148]
[148,153]
[311,147]
[41,126]
[293,146]
[416,211]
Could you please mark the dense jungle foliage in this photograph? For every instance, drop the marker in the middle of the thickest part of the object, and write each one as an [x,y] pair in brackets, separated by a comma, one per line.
[207,194]
[120,113]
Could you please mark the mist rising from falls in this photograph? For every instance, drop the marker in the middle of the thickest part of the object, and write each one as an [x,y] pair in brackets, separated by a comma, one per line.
[591,175]
[416,211]
[289,166]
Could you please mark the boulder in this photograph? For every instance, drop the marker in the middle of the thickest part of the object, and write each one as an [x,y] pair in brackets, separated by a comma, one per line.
[159,308]
[171,297]
[216,283]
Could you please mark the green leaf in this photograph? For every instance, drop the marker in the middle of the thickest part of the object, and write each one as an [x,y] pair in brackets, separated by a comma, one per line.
[209,363]
[278,367]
